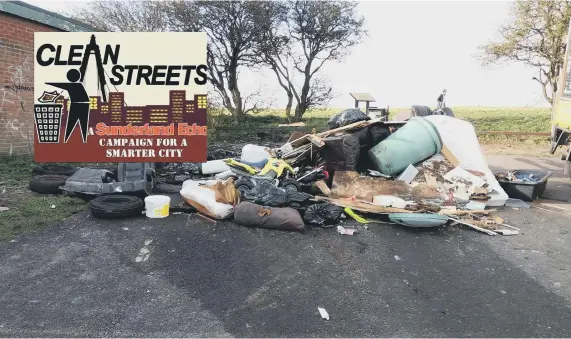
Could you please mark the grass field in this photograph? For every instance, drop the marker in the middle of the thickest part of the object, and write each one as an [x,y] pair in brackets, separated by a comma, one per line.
[514,119]
[28,211]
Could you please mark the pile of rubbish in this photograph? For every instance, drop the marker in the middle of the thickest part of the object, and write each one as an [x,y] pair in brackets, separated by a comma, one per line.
[426,171]
[423,172]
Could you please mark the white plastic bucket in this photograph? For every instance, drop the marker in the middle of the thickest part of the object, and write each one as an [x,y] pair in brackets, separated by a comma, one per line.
[157,206]
[254,153]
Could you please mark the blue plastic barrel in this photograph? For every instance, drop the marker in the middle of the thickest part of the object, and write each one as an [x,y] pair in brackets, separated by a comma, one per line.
[410,144]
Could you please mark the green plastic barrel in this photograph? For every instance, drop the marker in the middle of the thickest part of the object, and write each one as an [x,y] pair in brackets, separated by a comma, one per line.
[410,144]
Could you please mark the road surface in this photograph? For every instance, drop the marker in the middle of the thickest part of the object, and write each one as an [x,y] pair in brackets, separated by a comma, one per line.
[182,276]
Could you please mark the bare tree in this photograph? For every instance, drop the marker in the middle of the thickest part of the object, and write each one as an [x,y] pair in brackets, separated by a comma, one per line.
[122,16]
[306,34]
[232,30]
[536,36]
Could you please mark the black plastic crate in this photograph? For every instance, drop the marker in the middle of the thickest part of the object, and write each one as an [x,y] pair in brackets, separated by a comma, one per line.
[527,191]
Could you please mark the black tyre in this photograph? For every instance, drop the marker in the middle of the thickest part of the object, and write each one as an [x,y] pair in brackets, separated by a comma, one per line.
[116,206]
[448,111]
[47,184]
[291,185]
[54,169]
[244,185]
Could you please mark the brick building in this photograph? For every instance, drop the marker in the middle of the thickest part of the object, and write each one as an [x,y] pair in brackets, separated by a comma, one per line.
[18,22]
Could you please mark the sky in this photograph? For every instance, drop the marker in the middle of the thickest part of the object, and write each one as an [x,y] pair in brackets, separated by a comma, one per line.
[413,50]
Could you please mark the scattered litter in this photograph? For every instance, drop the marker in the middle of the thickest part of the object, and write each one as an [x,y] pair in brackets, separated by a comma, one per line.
[13,240]
[475,205]
[389,201]
[374,173]
[516,203]
[323,313]
[210,220]
[506,232]
[125,228]
[471,225]
[53,206]
[461,175]
[2,209]
[346,231]
[355,216]
[144,252]
[408,175]
[397,258]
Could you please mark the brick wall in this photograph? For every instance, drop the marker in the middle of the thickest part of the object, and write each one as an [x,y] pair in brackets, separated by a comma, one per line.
[17,82]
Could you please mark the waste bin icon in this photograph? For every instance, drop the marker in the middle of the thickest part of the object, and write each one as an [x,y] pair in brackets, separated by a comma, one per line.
[48,122]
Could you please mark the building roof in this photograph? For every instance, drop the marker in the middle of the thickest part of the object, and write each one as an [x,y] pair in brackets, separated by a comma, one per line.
[42,16]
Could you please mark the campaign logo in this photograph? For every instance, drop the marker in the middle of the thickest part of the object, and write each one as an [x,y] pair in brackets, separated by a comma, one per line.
[117,99]
[48,116]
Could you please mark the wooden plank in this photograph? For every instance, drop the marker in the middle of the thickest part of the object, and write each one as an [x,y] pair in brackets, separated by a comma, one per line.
[462,212]
[463,222]
[317,141]
[362,206]
[323,187]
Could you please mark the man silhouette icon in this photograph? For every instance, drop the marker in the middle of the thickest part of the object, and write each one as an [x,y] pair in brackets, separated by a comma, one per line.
[79,107]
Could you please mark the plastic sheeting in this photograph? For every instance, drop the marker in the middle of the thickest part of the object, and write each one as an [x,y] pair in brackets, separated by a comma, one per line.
[460,137]
[346,117]
[323,214]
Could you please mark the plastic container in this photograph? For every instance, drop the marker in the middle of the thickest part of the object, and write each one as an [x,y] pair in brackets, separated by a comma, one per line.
[254,153]
[410,144]
[418,219]
[214,167]
[526,191]
[157,206]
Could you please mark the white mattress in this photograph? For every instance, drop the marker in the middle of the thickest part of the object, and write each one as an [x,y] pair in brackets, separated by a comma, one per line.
[460,137]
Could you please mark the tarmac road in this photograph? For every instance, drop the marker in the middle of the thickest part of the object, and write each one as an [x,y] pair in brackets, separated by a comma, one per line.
[182,276]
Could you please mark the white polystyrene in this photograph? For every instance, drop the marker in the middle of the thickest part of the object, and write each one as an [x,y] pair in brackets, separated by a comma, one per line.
[461,139]
[214,167]
[254,153]
[192,190]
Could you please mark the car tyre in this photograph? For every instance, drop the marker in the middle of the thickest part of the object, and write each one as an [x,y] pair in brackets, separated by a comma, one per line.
[54,169]
[47,184]
[116,206]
